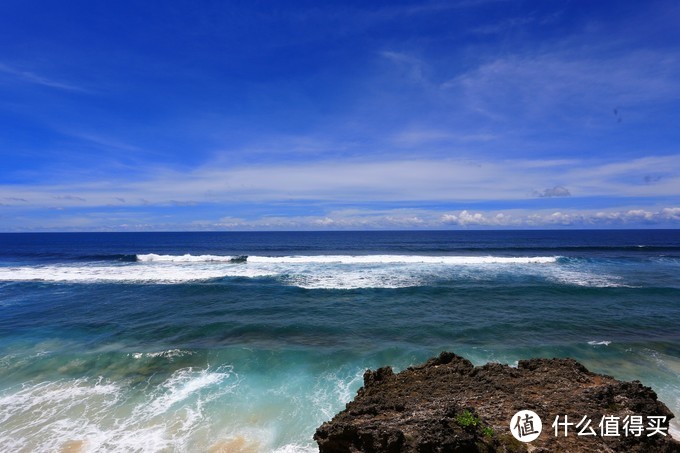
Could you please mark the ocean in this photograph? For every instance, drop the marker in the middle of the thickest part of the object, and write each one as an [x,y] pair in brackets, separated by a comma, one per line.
[249,341]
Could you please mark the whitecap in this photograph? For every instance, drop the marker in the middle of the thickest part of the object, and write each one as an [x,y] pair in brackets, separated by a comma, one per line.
[185,383]
[578,277]
[131,273]
[170,353]
[353,279]
[100,415]
[311,272]
[186,258]
[401,259]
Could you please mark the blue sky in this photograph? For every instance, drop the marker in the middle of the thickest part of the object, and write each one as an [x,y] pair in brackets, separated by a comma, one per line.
[225,115]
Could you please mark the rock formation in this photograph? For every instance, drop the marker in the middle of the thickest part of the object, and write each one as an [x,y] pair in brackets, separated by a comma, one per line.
[447,404]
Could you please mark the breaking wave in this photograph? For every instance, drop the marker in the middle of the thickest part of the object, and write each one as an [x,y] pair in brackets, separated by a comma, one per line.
[187,258]
[99,414]
[401,259]
[320,271]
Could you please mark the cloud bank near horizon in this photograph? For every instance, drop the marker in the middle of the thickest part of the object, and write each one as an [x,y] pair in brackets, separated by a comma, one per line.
[328,188]
[387,219]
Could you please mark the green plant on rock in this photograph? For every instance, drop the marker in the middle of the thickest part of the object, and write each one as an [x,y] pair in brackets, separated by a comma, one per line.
[467,419]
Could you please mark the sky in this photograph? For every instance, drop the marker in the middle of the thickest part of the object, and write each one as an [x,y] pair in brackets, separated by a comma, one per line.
[264,115]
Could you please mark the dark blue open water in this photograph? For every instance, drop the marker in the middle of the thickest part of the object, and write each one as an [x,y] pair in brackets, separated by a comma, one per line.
[177,341]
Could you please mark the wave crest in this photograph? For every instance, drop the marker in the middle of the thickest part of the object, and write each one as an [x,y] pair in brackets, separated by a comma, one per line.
[188,258]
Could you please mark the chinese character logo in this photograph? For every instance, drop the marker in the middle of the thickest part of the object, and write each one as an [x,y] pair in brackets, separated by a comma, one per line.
[526,426]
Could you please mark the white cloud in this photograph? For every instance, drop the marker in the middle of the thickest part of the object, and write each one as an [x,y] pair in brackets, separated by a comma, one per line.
[363,219]
[465,218]
[428,219]
[365,182]
[424,136]
[557,191]
[576,218]
[671,213]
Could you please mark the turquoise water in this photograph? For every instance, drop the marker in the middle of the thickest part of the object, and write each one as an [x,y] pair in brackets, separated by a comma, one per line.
[177,341]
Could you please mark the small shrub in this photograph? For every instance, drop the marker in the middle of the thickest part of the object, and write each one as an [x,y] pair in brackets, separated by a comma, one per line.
[467,419]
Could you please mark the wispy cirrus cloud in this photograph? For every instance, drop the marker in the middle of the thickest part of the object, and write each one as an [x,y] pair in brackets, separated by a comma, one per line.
[413,137]
[550,82]
[391,181]
[30,77]
[558,100]
[69,198]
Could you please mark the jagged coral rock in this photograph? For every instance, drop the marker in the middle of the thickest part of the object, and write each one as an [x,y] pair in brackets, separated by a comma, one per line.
[447,404]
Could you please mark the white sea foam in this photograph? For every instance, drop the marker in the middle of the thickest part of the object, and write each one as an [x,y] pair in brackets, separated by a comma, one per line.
[183,384]
[674,430]
[35,416]
[170,354]
[400,259]
[582,277]
[353,279]
[187,258]
[44,398]
[333,390]
[297,448]
[318,272]
[99,415]
[133,273]
[599,343]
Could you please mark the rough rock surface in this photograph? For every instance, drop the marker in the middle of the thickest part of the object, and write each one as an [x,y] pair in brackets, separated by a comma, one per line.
[447,404]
